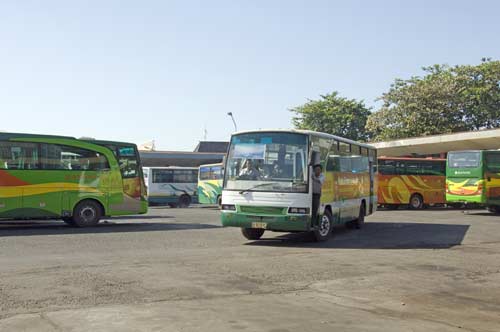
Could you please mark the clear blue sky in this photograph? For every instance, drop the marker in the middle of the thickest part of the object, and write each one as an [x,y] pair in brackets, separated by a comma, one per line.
[163,70]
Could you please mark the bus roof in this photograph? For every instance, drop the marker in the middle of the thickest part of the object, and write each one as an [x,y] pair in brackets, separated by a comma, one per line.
[306,132]
[7,136]
[98,141]
[410,158]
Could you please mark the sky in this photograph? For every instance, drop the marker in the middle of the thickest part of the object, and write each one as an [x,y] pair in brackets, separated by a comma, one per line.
[167,70]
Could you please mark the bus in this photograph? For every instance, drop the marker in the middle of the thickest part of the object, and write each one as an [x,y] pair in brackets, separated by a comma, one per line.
[279,197]
[80,181]
[473,177]
[210,179]
[172,186]
[412,182]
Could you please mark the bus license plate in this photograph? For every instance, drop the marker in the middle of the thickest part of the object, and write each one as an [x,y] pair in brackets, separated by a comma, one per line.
[262,225]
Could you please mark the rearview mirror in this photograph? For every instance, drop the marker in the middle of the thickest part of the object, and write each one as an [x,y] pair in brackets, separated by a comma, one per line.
[315,158]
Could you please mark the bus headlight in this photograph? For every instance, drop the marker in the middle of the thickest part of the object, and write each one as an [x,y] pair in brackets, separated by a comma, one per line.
[228,207]
[294,210]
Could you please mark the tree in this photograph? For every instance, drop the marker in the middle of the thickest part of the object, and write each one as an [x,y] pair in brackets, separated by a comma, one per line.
[446,100]
[334,115]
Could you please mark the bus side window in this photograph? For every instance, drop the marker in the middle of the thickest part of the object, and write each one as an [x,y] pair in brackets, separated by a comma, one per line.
[332,165]
[387,167]
[17,155]
[493,162]
[345,165]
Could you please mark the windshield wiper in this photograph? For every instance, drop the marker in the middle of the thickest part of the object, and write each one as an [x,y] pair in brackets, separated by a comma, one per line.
[257,186]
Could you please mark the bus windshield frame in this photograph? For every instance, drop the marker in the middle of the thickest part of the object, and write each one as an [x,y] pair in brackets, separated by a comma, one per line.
[268,162]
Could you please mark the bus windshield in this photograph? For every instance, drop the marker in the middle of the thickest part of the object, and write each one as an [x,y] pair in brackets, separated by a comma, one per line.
[273,161]
[463,159]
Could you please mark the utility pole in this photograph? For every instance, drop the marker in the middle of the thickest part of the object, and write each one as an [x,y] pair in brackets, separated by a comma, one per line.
[234,122]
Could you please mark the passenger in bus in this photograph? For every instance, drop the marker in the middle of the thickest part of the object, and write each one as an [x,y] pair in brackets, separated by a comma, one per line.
[317,181]
[277,170]
[249,171]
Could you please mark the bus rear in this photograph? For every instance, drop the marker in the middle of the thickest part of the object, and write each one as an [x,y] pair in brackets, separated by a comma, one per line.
[465,177]
[210,178]
[174,186]
[134,188]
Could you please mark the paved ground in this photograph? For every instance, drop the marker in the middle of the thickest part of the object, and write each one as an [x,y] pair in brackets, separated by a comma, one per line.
[177,270]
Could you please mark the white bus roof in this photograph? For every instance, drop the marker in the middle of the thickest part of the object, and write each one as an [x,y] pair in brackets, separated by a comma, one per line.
[306,132]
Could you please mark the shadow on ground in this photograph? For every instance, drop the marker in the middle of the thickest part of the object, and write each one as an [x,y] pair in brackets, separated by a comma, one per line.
[378,235]
[56,227]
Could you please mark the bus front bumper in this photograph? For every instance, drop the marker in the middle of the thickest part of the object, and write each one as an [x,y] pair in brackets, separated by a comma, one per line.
[451,198]
[284,223]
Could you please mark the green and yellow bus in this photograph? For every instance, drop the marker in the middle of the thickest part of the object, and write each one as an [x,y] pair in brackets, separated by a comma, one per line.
[473,177]
[78,180]
[276,195]
[210,178]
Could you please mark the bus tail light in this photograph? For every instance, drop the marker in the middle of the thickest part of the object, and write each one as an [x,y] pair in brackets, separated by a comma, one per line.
[480,188]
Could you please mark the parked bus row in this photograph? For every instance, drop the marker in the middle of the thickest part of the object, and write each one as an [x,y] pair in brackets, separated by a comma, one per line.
[464,178]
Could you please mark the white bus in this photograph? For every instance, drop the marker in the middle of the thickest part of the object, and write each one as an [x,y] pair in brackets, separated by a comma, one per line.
[267,183]
[175,186]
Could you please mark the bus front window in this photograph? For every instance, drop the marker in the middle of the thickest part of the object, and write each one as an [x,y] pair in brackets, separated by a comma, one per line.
[463,159]
[275,162]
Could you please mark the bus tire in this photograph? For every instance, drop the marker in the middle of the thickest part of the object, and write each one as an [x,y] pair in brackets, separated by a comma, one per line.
[252,233]
[325,227]
[87,213]
[416,202]
[219,201]
[184,201]
[360,222]
[494,209]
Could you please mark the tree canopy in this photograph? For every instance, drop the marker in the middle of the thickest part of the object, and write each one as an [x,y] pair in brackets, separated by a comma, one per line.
[445,100]
[334,115]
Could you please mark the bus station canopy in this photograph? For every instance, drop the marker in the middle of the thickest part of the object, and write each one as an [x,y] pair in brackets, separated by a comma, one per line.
[440,144]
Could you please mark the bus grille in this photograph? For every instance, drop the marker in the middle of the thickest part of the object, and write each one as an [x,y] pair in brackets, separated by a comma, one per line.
[272,210]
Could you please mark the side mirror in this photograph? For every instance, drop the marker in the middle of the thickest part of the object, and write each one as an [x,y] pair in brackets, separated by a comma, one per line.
[315,158]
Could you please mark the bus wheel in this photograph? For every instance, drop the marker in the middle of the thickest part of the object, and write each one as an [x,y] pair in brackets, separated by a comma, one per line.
[219,201]
[494,209]
[87,213]
[184,201]
[252,233]
[416,202]
[324,230]
[359,223]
